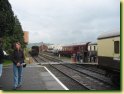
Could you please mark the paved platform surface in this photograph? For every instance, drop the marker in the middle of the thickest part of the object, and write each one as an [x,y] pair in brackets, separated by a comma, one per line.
[35,77]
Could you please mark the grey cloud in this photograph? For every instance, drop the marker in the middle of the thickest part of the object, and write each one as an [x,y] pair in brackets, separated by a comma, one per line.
[65,21]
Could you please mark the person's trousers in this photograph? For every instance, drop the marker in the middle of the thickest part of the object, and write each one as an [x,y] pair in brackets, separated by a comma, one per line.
[1,67]
[17,72]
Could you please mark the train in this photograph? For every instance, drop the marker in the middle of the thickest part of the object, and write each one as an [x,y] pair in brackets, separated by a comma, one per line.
[109,50]
[34,51]
[106,50]
[109,54]
[86,51]
[69,50]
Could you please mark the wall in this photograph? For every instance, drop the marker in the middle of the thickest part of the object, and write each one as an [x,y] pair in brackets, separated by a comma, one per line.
[106,47]
[26,36]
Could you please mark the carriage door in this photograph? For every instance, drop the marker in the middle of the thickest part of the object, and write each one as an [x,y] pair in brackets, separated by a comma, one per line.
[116,48]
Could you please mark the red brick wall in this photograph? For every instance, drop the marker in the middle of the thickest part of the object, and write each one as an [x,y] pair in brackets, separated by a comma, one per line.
[26,36]
[43,48]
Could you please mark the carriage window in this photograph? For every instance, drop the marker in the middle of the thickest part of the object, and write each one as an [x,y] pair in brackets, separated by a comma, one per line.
[90,48]
[94,48]
[116,47]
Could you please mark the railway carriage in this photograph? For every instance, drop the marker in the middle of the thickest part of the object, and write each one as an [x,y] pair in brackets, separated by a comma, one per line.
[92,50]
[34,50]
[109,53]
[92,46]
[69,50]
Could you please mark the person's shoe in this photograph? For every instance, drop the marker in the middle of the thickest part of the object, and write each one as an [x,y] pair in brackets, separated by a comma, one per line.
[15,88]
[19,86]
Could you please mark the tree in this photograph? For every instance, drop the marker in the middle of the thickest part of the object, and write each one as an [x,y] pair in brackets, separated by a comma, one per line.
[6,18]
[18,32]
[10,27]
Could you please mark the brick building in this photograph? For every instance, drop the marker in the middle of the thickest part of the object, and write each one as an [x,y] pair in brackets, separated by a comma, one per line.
[26,37]
[43,48]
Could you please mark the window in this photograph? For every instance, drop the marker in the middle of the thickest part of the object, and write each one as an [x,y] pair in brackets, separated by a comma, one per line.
[116,47]
[90,48]
[94,48]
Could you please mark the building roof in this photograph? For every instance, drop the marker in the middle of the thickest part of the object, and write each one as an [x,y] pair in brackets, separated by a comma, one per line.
[74,44]
[109,35]
[93,43]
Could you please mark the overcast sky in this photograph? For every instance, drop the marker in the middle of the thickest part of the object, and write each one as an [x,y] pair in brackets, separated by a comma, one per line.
[67,21]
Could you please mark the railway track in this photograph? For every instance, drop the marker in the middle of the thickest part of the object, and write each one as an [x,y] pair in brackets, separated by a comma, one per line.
[86,67]
[88,79]
[64,78]
[92,68]
[47,58]
[90,71]
[92,74]
[87,71]
[51,58]
[36,59]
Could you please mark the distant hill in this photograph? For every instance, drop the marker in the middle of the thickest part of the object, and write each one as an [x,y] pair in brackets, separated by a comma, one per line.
[37,44]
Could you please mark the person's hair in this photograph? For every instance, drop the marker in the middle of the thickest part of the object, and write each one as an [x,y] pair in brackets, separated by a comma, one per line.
[18,44]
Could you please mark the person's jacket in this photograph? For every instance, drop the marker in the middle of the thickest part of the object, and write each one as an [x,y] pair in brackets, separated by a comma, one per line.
[18,57]
[1,56]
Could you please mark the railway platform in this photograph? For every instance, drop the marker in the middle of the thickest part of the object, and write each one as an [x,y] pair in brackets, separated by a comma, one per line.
[35,77]
[69,60]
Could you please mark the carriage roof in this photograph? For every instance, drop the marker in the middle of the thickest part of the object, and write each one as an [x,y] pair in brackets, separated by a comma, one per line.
[109,35]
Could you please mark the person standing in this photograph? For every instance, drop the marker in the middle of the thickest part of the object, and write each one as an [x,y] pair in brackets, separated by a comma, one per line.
[78,56]
[18,60]
[81,58]
[1,58]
